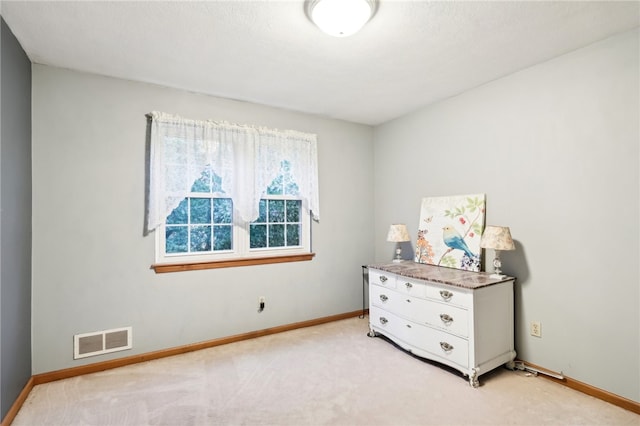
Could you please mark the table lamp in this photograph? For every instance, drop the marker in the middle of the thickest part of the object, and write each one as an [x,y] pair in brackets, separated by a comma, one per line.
[497,238]
[398,234]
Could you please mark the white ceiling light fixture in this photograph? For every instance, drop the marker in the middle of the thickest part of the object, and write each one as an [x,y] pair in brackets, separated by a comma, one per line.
[340,18]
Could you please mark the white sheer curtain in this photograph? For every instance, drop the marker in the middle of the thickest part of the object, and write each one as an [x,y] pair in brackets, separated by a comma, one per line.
[247,159]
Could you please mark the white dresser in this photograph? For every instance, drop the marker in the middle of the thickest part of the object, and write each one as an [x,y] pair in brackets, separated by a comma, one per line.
[459,318]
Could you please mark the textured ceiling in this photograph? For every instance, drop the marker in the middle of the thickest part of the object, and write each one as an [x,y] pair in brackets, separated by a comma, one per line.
[411,54]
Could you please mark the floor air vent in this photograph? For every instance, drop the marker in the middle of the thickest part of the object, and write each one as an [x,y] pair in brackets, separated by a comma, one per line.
[101,342]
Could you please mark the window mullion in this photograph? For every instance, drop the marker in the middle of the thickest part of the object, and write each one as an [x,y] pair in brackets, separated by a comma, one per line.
[212,237]
[268,222]
[188,224]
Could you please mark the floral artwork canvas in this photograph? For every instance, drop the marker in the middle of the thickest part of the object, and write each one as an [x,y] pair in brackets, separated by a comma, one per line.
[449,231]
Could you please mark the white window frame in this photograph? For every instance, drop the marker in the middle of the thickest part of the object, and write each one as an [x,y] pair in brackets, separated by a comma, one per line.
[305,233]
[241,238]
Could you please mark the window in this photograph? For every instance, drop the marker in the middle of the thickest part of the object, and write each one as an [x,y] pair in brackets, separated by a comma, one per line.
[278,224]
[202,222]
[202,225]
[219,192]
[279,221]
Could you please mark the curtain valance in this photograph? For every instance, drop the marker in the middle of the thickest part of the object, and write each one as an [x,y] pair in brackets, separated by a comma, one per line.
[246,158]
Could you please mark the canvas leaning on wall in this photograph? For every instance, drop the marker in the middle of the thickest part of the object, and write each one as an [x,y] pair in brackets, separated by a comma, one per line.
[449,231]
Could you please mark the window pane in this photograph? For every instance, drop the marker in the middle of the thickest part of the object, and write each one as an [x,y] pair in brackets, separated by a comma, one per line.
[276,235]
[200,210]
[176,239]
[200,238]
[179,214]
[293,210]
[222,237]
[293,235]
[258,236]
[222,210]
[276,211]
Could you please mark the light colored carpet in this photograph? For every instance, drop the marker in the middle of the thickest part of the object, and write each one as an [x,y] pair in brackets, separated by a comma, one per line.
[331,374]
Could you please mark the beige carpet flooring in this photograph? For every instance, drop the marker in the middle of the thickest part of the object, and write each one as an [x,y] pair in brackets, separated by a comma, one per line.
[331,374]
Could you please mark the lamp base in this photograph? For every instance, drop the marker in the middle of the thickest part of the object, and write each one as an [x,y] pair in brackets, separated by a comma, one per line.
[497,264]
[398,252]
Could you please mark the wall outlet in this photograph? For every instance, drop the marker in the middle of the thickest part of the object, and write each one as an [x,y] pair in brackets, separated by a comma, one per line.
[260,303]
[535,328]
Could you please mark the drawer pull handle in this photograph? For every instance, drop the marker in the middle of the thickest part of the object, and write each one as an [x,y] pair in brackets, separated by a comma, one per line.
[383,297]
[408,285]
[383,320]
[446,346]
[408,300]
[408,325]
[383,279]
[446,295]
[446,319]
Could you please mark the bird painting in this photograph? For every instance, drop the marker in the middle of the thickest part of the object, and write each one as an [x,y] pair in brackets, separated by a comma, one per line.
[454,240]
[449,231]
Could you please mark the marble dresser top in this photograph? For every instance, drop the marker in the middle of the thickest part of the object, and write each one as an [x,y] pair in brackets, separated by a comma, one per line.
[440,274]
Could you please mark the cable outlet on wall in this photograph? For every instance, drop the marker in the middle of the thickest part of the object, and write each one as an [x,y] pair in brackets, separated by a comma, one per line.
[260,303]
[535,328]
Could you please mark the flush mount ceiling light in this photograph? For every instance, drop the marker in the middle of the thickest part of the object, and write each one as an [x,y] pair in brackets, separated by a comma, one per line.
[340,18]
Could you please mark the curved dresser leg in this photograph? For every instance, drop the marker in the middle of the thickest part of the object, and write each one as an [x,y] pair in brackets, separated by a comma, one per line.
[473,378]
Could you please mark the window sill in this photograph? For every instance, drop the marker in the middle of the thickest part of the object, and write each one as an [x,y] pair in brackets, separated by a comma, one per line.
[162,268]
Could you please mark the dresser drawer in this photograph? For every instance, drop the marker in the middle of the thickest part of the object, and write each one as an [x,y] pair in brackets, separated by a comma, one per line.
[450,295]
[440,315]
[385,298]
[447,347]
[389,324]
[411,287]
[449,318]
[382,278]
[443,345]
[414,309]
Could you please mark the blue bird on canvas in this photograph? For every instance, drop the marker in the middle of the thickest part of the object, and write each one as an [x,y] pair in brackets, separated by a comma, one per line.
[454,240]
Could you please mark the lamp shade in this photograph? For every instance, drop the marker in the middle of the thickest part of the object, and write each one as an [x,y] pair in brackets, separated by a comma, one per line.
[398,233]
[340,18]
[497,238]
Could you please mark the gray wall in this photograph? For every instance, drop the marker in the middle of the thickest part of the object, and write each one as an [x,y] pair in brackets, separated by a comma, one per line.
[91,261]
[556,149]
[15,221]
